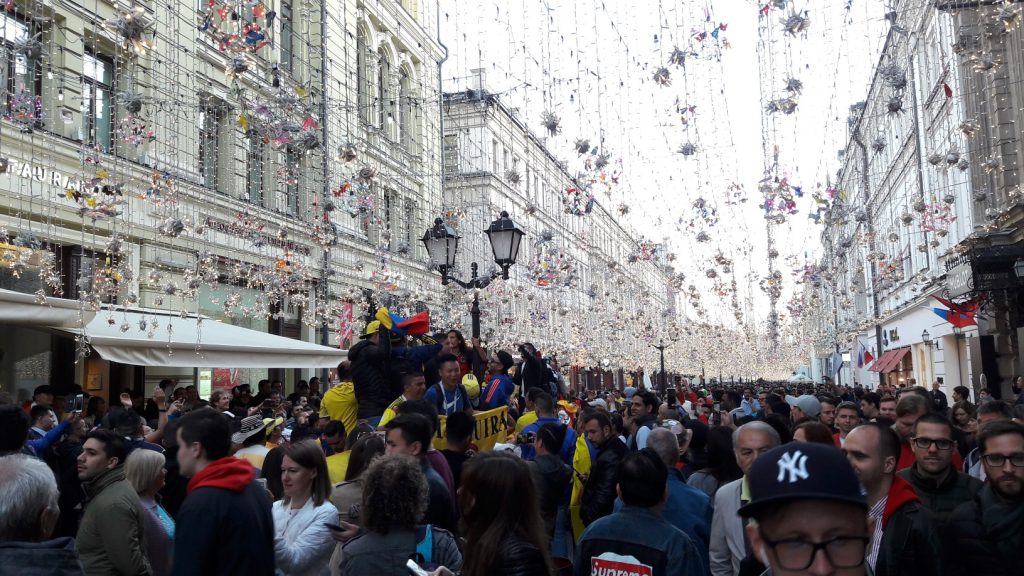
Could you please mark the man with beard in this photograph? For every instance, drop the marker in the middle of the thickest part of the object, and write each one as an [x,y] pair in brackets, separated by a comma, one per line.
[986,534]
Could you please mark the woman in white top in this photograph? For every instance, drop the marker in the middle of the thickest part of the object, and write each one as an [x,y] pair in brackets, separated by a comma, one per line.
[302,541]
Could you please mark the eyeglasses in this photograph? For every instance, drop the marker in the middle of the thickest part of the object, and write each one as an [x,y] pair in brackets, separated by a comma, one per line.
[926,443]
[841,552]
[998,460]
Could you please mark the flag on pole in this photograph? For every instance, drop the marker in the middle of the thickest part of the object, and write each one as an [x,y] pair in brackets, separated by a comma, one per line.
[864,356]
[837,363]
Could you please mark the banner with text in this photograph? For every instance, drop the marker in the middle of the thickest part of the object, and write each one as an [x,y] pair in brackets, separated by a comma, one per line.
[491,428]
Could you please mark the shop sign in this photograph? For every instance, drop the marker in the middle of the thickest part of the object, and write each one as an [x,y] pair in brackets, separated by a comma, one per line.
[44,175]
[960,279]
[241,231]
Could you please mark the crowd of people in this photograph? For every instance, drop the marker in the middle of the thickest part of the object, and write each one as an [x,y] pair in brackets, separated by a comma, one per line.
[382,475]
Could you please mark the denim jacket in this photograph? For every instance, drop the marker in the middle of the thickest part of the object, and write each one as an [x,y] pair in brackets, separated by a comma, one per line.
[644,535]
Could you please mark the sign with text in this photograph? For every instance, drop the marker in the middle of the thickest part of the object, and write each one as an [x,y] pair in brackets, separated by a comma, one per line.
[609,564]
[491,428]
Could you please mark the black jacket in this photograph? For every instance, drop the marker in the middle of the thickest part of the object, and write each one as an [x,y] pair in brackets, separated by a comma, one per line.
[531,373]
[942,497]
[910,542]
[57,557]
[225,525]
[599,492]
[370,375]
[984,536]
[552,478]
[518,558]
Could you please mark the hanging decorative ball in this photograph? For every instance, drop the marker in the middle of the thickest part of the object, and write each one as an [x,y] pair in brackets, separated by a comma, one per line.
[347,152]
[963,164]
[894,76]
[582,146]
[687,149]
[970,127]
[941,233]
[993,164]
[512,177]
[366,174]
[935,159]
[551,122]
[949,198]
[703,236]
[952,157]
[894,237]
[784,105]
[861,215]
[878,144]
[662,77]
[796,23]
[794,86]
[919,203]
[895,105]
[980,196]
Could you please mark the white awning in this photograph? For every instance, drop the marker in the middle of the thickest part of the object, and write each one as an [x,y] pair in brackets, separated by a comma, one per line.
[24,310]
[197,342]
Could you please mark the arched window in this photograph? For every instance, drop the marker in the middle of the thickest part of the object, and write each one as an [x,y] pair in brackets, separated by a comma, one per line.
[405,105]
[362,75]
[383,91]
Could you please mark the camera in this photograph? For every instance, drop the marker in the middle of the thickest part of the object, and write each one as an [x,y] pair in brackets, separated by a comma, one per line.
[525,437]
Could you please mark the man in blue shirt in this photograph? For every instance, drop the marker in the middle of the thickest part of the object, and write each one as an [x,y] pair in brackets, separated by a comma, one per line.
[637,539]
[751,406]
[686,508]
[544,404]
[499,387]
[449,396]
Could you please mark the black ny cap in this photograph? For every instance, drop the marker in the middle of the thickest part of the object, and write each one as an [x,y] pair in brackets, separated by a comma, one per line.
[801,471]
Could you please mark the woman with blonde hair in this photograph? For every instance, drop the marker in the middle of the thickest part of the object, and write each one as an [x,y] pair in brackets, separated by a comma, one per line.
[302,540]
[144,470]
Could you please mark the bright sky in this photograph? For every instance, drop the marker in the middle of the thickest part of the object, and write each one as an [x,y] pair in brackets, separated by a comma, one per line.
[592,63]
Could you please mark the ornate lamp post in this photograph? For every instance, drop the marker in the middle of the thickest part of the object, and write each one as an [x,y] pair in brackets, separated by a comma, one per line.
[442,243]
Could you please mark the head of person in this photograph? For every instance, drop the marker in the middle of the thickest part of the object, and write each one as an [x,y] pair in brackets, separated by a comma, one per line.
[459,429]
[276,385]
[454,342]
[1002,454]
[806,513]
[909,408]
[887,407]
[544,405]
[721,454]
[731,400]
[335,436]
[28,499]
[125,422]
[499,362]
[43,395]
[449,370]
[933,445]
[963,412]
[204,436]
[221,400]
[961,393]
[414,385]
[873,450]
[395,494]
[96,406]
[869,404]
[424,408]
[665,444]
[42,417]
[490,481]
[812,431]
[549,439]
[364,450]
[993,411]
[827,416]
[145,471]
[304,474]
[642,479]
[751,440]
[645,403]
[244,393]
[272,471]
[983,395]
[598,428]
[191,394]
[847,416]
[408,434]
[804,406]
[103,450]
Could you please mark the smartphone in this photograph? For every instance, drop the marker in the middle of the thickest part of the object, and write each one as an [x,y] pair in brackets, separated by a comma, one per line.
[262,482]
[415,569]
[76,403]
[716,407]
[334,527]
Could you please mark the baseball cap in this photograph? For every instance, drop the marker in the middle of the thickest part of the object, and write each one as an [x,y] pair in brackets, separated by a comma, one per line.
[628,392]
[599,403]
[505,358]
[371,328]
[801,471]
[807,403]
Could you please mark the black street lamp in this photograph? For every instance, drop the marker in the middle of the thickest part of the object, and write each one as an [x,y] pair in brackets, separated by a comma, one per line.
[442,243]
[661,348]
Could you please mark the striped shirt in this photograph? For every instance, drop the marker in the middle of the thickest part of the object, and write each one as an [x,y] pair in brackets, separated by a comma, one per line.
[875,513]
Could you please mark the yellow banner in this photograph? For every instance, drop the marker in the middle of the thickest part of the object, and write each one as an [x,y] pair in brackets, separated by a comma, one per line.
[491,428]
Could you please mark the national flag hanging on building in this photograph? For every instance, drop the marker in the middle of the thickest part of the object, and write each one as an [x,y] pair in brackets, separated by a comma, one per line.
[959,315]
[864,356]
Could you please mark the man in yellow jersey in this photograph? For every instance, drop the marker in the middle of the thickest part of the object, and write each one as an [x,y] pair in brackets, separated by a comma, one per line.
[414,386]
[530,415]
[339,403]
